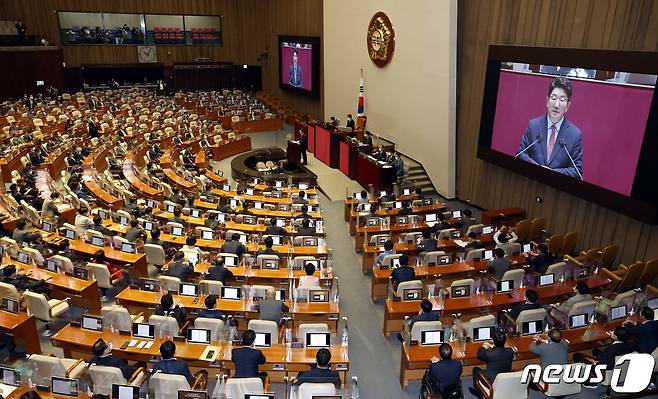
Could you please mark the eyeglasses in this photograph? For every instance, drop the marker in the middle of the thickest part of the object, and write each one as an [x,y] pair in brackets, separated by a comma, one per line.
[563,100]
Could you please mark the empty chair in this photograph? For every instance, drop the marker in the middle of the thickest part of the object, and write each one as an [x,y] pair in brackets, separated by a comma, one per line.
[216,326]
[446,234]
[432,258]
[464,282]
[513,248]
[379,239]
[475,228]
[557,269]
[44,367]
[505,386]
[211,287]
[44,309]
[413,237]
[388,259]
[608,256]
[239,387]
[649,274]
[260,259]
[420,326]
[522,229]
[555,243]
[258,291]
[568,244]
[475,254]
[537,229]
[171,284]
[9,291]
[166,386]
[408,285]
[624,278]
[588,307]
[35,255]
[118,317]
[310,390]
[529,315]
[265,326]
[165,326]
[515,275]
[155,255]
[103,377]
[479,322]
[306,328]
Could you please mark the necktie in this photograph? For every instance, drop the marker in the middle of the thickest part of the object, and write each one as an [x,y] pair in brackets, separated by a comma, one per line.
[551,142]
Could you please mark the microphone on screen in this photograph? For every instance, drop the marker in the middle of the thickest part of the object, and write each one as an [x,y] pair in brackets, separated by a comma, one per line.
[539,139]
[563,144]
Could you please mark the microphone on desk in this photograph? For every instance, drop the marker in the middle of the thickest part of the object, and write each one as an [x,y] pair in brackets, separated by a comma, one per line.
[539,139]
[563,144]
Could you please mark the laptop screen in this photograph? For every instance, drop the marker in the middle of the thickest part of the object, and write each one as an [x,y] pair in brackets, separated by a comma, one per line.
[148,225]
[445,260]
[185,394]
[149,285]
[142,330]
[527,248]
[488,254]
[487,230]
[177,231]
[258,205]
[231,293]
[188,289]
[171,208]
[46,227]
[103,214]
[505,286]
[618,312]
[532,327]
[431,337]
[206,235]
[317,340]
[226,187]
[303,186]
[81,273]
[263,340]
[578,320]
[198,336]
[52,265]
[123,221]
[412,294]
[398,204]
[653,303]
[124,392]
[152,204]
[92,323]
[70,234]
[460,291]
[11,305]
[430,217]
[318,296]
[230,261]
[10,376]
[97,241]
[406,191]
[64,386]
[127,247]
[483,333]
[278,184]
[264,396]
[243,239]
[280,295]
[23,257]
[249,191]
[456,214]
[546,279]
[195,213]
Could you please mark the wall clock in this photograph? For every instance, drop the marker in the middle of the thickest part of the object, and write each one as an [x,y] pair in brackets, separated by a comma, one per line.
[147,54]
[381,39]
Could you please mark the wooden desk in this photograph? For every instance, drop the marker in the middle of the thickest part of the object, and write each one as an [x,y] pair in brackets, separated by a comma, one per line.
[130,162]
[188,219]
[18,392]
[261,125]
[229,148]
[257,198]
[83,293]
[260,228]
[135,262]
[362,232]
[414,360]
[505,216]
[96,162]
[448,273]
[77,343]
[301,312]
[287,249]
[395,311]
[23,328]
[417,210]
[13,163]
[371,251]
[179,181]
[349,203]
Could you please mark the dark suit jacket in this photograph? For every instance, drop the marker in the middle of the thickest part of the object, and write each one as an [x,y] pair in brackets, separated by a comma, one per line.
[404,273]
[219,273]
[275,231]
[173,366]
[614,350]
[303,141]
[318,375]
[445,374]
[350,123]
[431,316]
[295,79]
[428,245]
[498,360]
[113,361]
[177,313]
[541,262]
[559,161]
[246,361]
[516,309]
[180,270]
[645,335]
[211,314]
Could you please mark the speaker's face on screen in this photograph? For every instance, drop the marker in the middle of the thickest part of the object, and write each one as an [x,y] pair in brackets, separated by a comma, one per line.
[557,103]
[294,58]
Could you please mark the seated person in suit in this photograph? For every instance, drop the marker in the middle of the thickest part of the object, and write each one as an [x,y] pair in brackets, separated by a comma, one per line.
[472,242]
[177,197]
[22,234]
[444,376]
[269,308]
[542,261]
[275,230]
[309,280]
[529,304]
[467,220]
[169,364]
[367,138]
[620,346]
[441,225]
[550,347]
[49,207]
[305,229]
[232,245]
[98,226]
[388,250]
[115,272]
[20,281]
[497,358]
[429,243]
[499,264]
[301,199]
[190,246]
[349,123]
[581,291]
[103,357]
[210,312]
[167,307]
[362,198]
[155,239]
[82,220]
[644,333]
[268,248]
[135,231]
[218,272]
[406,209]
[403,273]
[425,313]
[177,217]
[321,372]
[179,267]
[247,359]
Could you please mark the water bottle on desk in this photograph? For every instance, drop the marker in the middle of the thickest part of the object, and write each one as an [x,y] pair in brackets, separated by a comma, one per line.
[355,388]
[345,338]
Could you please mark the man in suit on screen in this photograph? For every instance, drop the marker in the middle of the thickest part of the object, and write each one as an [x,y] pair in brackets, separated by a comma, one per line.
[295,72]
[551,140]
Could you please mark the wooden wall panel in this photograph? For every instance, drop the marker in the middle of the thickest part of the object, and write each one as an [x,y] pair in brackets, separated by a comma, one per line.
[249,27]
[604,24]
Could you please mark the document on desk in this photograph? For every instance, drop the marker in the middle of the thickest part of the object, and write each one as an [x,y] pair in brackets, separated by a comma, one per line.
[141,345]
[460,243]
[149,344]
[6,390]
[132,343]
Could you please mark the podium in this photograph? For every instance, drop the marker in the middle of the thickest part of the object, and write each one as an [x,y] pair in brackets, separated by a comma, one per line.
[294,152]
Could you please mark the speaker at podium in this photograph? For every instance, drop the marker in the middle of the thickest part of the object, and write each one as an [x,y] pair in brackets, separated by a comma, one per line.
[294,152]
